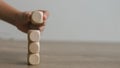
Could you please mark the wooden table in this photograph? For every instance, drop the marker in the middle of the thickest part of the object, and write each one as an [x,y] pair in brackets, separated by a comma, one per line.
[13,54]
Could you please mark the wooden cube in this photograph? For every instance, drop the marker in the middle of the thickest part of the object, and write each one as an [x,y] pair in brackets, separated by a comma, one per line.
[34,35]
[33,59]
[37,17]
[34,47]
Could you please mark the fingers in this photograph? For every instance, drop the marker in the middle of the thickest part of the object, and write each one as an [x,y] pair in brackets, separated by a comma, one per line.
[27,14]
[40,27]
[45,15]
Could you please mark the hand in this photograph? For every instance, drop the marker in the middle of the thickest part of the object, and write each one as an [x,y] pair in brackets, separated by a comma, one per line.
[24,20]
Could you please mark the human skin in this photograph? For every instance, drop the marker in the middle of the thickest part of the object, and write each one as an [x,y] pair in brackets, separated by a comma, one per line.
[20,19]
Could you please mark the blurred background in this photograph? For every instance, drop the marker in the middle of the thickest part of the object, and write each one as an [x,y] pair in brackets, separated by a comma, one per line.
[71,20]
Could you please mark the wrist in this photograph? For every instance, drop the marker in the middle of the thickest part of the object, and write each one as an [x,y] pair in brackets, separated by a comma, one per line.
[17,18]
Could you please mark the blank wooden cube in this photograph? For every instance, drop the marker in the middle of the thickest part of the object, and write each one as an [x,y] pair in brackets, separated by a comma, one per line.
[34,35]
[34,38]
[34,47]
[37,17]
[33,59]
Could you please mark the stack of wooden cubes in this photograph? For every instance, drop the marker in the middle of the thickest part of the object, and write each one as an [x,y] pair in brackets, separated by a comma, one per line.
[34,38]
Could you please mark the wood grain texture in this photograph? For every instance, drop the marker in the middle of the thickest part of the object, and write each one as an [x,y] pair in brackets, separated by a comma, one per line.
[61,54]
[34,35]
[37,17]
[33,59]
[34,47]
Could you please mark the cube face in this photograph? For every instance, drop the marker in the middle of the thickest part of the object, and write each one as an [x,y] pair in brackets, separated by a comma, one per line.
[34,35]
[33,59]
[34,47]
[37,17]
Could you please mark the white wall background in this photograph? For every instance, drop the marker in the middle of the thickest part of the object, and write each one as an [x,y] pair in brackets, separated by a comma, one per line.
[72,20]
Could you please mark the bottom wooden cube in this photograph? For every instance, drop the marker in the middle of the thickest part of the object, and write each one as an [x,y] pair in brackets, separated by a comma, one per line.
[33,59]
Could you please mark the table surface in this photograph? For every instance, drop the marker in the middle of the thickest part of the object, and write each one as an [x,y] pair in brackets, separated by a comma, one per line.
[13,54]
